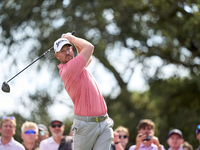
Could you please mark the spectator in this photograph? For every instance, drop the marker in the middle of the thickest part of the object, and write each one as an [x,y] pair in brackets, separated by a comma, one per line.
[43,133]
[145,138]
[198,135]
[187,146]
[7,130]
[29,135]
[120,141]
[175,140]
[57,140]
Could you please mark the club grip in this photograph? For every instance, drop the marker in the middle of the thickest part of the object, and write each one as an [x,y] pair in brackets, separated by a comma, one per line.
[73,32]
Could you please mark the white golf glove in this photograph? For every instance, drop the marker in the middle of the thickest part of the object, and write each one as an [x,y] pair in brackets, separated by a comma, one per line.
[68,33]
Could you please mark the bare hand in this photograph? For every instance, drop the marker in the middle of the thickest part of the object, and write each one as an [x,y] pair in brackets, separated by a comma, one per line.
[140,138]
[155,141]
[116,137]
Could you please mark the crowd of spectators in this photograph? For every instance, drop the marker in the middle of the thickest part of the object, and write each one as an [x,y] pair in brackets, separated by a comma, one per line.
[36,137]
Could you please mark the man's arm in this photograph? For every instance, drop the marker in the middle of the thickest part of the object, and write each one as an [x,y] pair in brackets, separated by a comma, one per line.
[83,47]
[89,61]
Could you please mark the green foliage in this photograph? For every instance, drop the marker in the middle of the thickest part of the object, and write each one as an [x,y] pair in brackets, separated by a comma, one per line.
[179,106]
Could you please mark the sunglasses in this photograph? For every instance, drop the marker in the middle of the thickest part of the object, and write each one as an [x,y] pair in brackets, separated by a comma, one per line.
[9,117]
[198,129]
[42,133]
[124,136]
[28,132]
[56,125]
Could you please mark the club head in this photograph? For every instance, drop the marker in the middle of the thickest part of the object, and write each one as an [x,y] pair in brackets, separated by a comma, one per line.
[5,87]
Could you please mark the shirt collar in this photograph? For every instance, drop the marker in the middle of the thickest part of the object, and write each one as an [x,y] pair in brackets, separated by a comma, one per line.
[9,143]
[180,148]
[33,147]
[51,140]
[143,145]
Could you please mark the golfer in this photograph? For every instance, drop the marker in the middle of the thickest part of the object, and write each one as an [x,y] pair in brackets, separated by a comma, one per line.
[92,127]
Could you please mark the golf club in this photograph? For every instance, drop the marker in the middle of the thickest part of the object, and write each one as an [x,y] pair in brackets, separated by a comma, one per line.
[5,86]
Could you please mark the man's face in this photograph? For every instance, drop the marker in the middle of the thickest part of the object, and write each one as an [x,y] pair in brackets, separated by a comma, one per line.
[8,129]
[147,130]
[57,128]
[65,54]
[123,138]
[175,141]
[29,135]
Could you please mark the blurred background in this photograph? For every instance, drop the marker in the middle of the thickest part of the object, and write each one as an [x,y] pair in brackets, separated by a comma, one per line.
[146,61]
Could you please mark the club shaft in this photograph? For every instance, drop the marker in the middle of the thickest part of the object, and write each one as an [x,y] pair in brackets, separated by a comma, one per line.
[31,63]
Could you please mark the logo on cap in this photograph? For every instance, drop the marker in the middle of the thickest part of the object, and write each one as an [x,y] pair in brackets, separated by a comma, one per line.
[57,44]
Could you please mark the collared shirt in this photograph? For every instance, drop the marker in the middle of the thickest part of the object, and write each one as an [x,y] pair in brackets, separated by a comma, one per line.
[82,88]
[113,147]
[35,148]
[180,148]
[48,144]
[12,145]
[144,147]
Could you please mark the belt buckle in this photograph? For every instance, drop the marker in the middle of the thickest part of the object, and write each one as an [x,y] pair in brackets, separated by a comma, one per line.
[99,119]
[95,119]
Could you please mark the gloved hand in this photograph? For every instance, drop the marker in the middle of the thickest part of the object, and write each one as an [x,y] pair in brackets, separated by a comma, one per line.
[68,33]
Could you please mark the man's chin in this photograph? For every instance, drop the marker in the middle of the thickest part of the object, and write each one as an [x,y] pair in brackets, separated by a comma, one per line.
[57,134]
[68,59]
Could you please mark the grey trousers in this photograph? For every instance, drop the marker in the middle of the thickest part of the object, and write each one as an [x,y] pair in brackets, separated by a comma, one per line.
[92,135]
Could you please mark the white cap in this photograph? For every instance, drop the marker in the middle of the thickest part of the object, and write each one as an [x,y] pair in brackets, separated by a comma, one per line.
[59,43]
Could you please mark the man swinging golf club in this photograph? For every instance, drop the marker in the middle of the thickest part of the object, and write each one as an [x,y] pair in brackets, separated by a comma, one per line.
[92,128]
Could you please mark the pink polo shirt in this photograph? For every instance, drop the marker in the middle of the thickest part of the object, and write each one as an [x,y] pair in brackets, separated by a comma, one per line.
[82,88]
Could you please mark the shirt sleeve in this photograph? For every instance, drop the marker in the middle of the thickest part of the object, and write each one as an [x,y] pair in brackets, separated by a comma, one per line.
[132,147]
[162,147]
